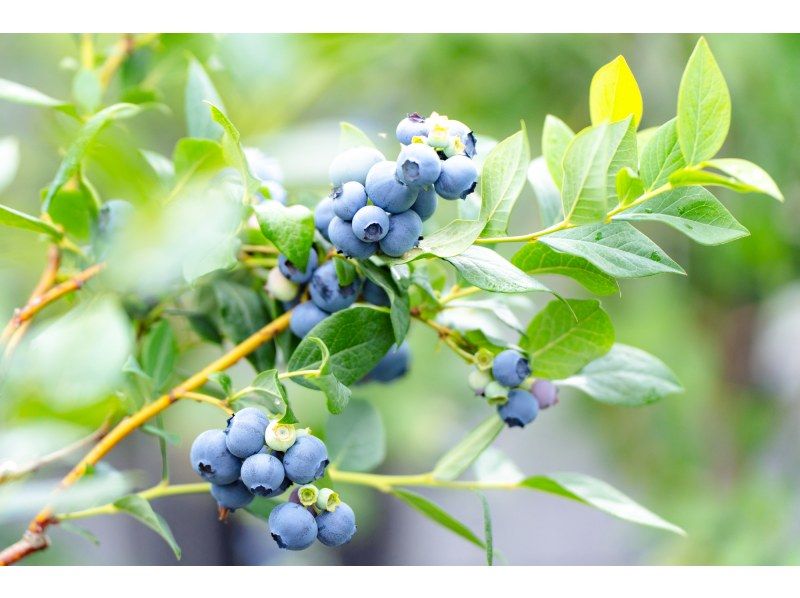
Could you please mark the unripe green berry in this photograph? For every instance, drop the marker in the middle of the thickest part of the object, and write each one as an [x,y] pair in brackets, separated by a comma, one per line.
[478,380]
[280,287]
[495,392]
[279,437]
[328,500]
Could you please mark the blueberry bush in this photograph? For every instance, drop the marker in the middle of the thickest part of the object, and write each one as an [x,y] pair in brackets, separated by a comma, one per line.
[325,297]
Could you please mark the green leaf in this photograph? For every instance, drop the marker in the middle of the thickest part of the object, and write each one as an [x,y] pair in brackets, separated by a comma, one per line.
[21,94]
[591,163]
[661,156]
[556,137]
[538,258]
[224,380]
[199,90]
[139,508]
[617,249]
[87,90]
[337,394]
[692,210]
[547,194]
[79,531]
[489,270]
[399,310]
[159,350]
[233,152]
[566,335]
[453,239]
[593,492]
[437,514]
[75,211]
[291,229]
[9,160]
[162,434]
[458,459]
[502,180]
[71,162]
[241,313]
[161,165]
[17,219]
[345,270]
[357,339]
[487,529]
[744,177]
[614,94]
[629,186]
[192,156]
[266,391]
[351,136]
[704,106]
[356,439]
[625,376]
[261,507]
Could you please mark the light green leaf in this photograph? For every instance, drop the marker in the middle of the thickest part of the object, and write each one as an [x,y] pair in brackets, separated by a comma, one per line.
[692,210]
[629,186]
[437,514]
[261,507]
[399,310]
[139,508]
[159,350]
[345,270]
[290,228]
[199,90]
[489,270]
[458,459]
[79,531]
[9,160]
[87,90]
[161,165]
[618,249]
[487,530]
[17,219]
[356,439]
[661,156]
[748,176]
[233,152]
[547,194]
[241,313]
[502,180]
[625,376]
[593,492]
[21,94]
[539,258]
[614,94]
[337,395]
[194,155]
[452,239]
[556,137]
[266,391]
[565,336]
[351,136]
[74,210]
[704,106]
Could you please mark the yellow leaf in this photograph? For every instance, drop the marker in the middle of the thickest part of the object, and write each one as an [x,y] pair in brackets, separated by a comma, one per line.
[614,94]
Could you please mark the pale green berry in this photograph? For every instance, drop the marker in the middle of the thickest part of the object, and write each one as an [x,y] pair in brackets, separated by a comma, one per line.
[478,379]
[280,287]
[279,437]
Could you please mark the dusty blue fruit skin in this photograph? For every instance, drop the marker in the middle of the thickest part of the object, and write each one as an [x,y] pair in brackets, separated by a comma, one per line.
[425,205]
[412,126]
[348,199]
[417,165]
[211,459]
[245,433]
[304,317]
[326,292]
[392,366]
[335,528]
[510,368]
[456,127]
[263,475]
[370,224]
[306,460]
[353,165]
[404,232]
[262,166]
[386,191]
[292,526]
[374,294]
[458,178]
[340,233]
[232,496]
[545,393]
[323,214]
[520,409]
[293,273]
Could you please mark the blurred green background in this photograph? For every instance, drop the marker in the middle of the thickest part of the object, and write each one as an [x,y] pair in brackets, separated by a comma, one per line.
[721,460]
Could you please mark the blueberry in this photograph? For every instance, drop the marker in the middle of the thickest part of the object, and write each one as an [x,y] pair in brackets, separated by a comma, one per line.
[292,526]
[418,165]
[510,368]
[520,409]
[545,393]
[340,233]
[232,496]
[293,273]
[353,165]
[245,432]
[262,166]
[304,317]
[458,179]
[404,231]
[370,224]
[393,365]
[306,460]
[386,191]
[463,132]
[114,216]
[323,214]
[348,199]
[335,528]
[326,292]
[263,475]
[280,287]
[425,205]
[374,294]
[211,459]
[411,126]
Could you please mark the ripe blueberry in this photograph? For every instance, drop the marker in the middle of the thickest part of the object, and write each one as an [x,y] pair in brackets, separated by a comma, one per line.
[348,199]
[393,365]
[404,231]
[211,459]
[306,460]
[245,432]
[417,165]
[232,496]
[323,214]
[545,393]
[293,273]
[340,233]
[510,368]
[411,126]
[353,165]
[326,292]
[520,409]
[304,317]
[374,294]
[263,475]
[292,526]
[370,224]
[335,528]
[458,178]
[425,205]
[386,191]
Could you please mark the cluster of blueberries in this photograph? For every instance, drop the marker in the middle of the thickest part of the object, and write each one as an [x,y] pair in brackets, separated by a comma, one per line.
[287,283]
[381,204]
[516,406]
[254,456]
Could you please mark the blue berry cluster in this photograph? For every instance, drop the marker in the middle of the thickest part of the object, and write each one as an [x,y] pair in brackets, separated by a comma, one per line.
[501,386]
[378,204]
[253,457]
